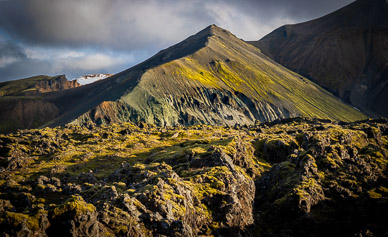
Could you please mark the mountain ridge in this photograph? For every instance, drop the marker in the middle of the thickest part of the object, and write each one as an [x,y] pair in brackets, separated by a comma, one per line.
[211,78]
[205,65]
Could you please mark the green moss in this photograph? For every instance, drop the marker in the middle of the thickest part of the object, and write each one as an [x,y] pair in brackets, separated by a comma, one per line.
[120,185]
[121,229]
[383,190]
[304,188]
[139,166]
[16,219]
[197,150]
[107,153]
[75,204]
[194,71]
[374,195]
[206,190]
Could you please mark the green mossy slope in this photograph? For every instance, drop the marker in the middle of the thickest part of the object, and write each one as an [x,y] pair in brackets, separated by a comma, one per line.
[226,81]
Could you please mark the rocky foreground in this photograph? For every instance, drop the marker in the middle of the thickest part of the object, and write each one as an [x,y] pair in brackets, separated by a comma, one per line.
[294,177]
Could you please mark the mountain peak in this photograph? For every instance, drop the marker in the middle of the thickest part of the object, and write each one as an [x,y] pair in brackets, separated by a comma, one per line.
[212,28]
[216,30]
[188,46]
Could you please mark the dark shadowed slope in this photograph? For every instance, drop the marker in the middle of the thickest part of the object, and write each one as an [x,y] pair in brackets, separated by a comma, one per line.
[210,78]
[345,51]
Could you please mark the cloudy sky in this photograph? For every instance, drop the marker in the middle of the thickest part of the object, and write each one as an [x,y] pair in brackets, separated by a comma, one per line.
[79,37]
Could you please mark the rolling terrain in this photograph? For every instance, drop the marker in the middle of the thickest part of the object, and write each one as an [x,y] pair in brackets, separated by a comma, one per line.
[345,52]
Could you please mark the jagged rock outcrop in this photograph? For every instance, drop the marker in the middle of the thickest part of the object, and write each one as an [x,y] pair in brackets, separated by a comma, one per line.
[36,85]
[334,172]
[214,194]
[74,218]
[345,52]
[59,83]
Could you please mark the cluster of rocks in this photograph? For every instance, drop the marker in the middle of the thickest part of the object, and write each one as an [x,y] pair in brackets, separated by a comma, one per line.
[142,200]
[291,178]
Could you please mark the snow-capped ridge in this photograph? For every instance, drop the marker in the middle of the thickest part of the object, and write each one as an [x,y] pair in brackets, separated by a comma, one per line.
[87,79]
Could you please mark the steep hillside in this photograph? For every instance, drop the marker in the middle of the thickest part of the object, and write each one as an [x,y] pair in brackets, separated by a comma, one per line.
[296,177]
[22,102]
[209,78]
[345,52]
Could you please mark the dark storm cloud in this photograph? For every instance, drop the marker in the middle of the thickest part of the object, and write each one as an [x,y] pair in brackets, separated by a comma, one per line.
[294,9]
[116,24]
[145,23]
[10,53]
[49,34]
[18,62]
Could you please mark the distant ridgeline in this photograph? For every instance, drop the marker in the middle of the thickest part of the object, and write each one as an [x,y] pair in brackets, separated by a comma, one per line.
[24,103]
[210,78]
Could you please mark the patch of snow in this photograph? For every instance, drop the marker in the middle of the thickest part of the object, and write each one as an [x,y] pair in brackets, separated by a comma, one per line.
[84,80]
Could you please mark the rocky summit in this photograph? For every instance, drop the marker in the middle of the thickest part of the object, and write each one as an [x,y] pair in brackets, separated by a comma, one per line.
[345,52]
[294,177]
